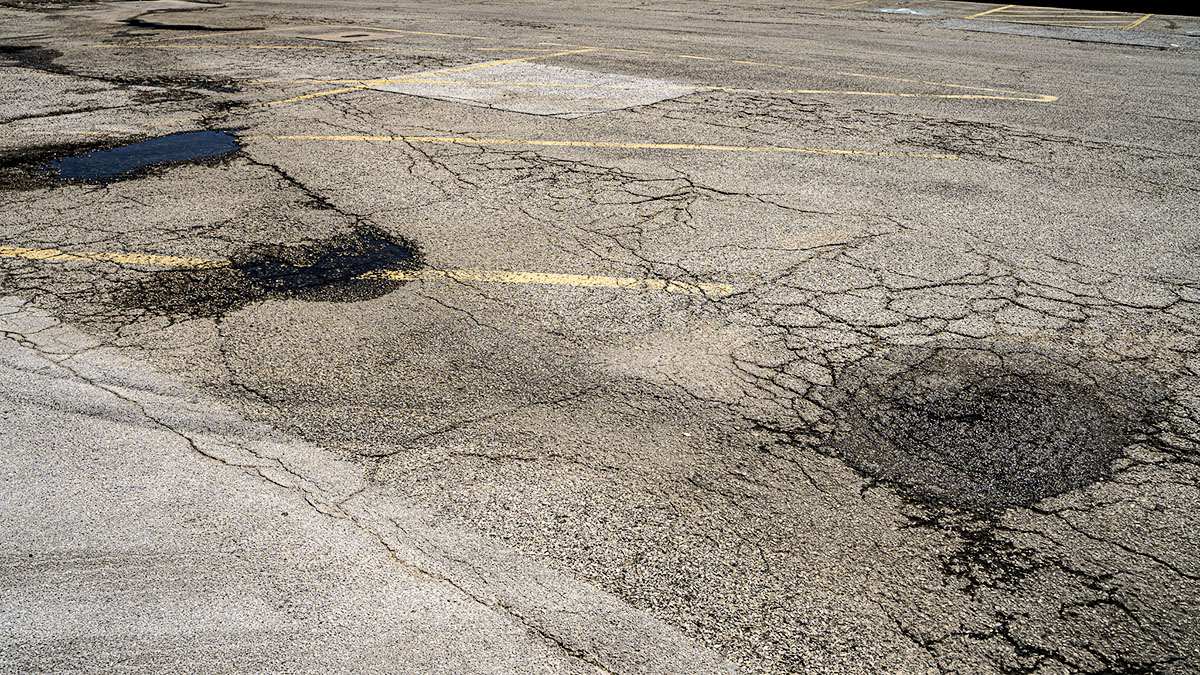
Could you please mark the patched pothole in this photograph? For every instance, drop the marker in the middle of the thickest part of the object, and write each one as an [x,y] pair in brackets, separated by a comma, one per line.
[347,268]
[981,427]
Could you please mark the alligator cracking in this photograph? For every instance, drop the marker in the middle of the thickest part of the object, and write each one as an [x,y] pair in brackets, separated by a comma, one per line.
[977,428]
[335,270]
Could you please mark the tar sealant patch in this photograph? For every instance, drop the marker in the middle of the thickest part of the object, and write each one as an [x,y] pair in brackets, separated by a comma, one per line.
[984,427]
[537,89]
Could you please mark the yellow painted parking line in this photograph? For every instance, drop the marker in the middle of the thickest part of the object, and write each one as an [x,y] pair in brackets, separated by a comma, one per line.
[993,93]
[407,78]
[467,140]
[994,9]
[1137,22]
[55,255]
[568,85]
[547,278]
[1065,17]
[469,276]
[851,4]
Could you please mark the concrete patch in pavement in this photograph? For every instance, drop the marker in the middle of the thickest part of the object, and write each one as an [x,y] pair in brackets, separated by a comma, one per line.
[1105,36]
[539,89]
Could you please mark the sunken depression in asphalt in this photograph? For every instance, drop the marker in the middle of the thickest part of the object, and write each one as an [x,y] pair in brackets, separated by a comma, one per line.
[654,337]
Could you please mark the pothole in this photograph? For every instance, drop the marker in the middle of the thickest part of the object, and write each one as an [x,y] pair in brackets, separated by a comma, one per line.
[983,429]
[126,160]
[342,269]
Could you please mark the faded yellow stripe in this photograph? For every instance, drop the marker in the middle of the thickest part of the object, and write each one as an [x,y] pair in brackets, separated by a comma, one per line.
[548,278]
[994,9]
[1137,22]
[55,255]
[605,144]
[472,276]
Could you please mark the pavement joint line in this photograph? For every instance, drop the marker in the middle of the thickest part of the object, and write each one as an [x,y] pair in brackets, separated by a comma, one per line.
[464,275]
[467,140]
[997,93]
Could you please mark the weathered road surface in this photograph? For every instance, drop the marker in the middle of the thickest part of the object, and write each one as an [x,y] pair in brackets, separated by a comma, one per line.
[669,336]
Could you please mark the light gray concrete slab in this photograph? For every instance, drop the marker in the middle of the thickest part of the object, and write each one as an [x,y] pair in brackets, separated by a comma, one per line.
[148,528]
[539,89]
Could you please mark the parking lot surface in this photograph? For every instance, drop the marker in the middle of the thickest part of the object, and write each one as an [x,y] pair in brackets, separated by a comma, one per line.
[794,337]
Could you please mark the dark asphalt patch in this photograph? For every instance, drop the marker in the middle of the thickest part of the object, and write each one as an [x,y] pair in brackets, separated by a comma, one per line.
[30,56]
[981,429]
[328,271]
[124,161]
[142,23]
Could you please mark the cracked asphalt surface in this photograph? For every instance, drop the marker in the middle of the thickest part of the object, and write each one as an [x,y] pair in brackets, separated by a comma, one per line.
[930,399]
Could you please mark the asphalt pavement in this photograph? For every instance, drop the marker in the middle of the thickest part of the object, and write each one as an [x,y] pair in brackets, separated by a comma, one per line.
[642,337]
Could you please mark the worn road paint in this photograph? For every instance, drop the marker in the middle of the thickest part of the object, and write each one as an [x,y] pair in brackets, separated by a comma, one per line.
[472,276]
[150,259]
[465,140]
[1137,22]
[999,94]
[1065,17]
[581,280]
